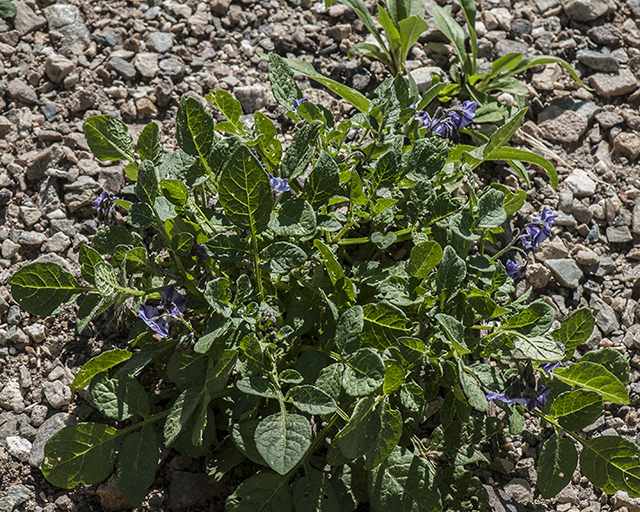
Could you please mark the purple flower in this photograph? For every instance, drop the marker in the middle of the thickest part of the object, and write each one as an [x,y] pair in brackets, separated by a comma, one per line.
[464,114]
[506,399]
[529,401]
[151,316]
[296,105]
[549,367]
[513,269]
[539,229]
[443,127]
[101,198]
[424,119]
[173,301]
[105,207]
[200,251]
[279,185]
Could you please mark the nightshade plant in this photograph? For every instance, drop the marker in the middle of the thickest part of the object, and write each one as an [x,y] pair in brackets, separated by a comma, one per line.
[341,338]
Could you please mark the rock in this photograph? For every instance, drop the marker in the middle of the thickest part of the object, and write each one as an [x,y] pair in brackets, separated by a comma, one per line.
[251,97]
[20,91]
[30,215]
[619,235]
[44,433]
[627,144]
[36,332]
[58,67]
[173,69]
[125,69]
[538,275]
[31,238]
[544,81]
[188,489]
[634,5]
[199,20]
[164,90]
[566,271]
[585,10]
[220,7]
[58,243]
[11,397]
[608,119]
[9,249]
[506,46]
[422,77]
[160,42]
[566,128]
[598,61]
[57,394]
[19,447]
[503,466]
[147,64]
[146,107]
[339,32]
[605,35]
[519,490]
[111,499]
[66,20]
[608,86]
[581,213]
[580,183]
[520,27]
[587,257]
[26,20]
[605,316]
[19,493]
[635,218]
[552,250]
[622,499]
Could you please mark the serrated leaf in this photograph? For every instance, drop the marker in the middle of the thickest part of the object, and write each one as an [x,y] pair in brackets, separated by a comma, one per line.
[612,463]
[284,87]
[146,188]
[364,373]
[98,364]
[149,144]
[282,439]
[404,482]
[577,409]
[558,461]
[137,464]
[311,399]
[81,453]
[245,191]
[323,182]
[264,492]
[119,398]
[109,138]
[41,288]
[592,376]
[575,330]
[424,257]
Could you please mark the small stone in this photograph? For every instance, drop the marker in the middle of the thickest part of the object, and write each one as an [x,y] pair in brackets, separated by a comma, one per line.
[567,128]
[14,315]
[339,32]
[580,183]
[252,97]
[125,69]
[619,235]
[9,249]
[622,499]
[111,499]
[19,447]
[172,68]
[58,243]
[26,20]
[220,7]
[581,213]
[605,316]
[19,493]
[566,271]
[608,119]
[57,394]
[20,91]
[587,257]
[11,397]
[544,81]
[605,35]
[553,249]
[30,215]
[627,144]
[31,238]
[188,489]
[598,61]
[160,42]
[422,77]
[58,67]
[538,275]
[608,86]
[503,466]
[519,490]
[146,107]
[147,64]
[38,415]
[585,10]
[36,332]
[506,46]
[520,27]
[199,20]
[44,433]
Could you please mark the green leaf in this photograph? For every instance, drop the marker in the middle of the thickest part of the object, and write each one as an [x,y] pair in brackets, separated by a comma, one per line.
[98,364]
[245,191]
[284,257]
[522,155]
[539,348]
[218,376]
[611,463]
[41,288]
[230,108]
[298,155]
[257,386]
[224,247]
[384,323]
[282,439]
[410,31]
[349,330]
[472,390]
[541,60]
[393,377]
[454,33]
[330,380]
[7,9]
[223,461]
[186,370]
[577,409]
[451,274]
[218,294]
[137,464]
[140,216]
[109,138]
[243,436]
[200,125]
[534,320]
[269,146]
[149,144]
[404,482]
[82,453]
[181,411]
[357,195]
[311,399]
[175,191]
[575,330]
[89,308]
[147,185]
[491,213]
[106,279]
[88,257]
[294,218]
[119,398]
[612,360]
[357,99]
[264,492]
[314,492]
[558,461]
[323,182]
[284,87]
[364,373]
[424,257]
[592,376]
[333,267]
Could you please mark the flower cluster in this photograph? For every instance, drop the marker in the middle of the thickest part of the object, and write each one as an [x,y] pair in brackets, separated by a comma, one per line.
[279,185]
[513,269]
[539,229]
[105,206]
[537,398]
[174,305]
[449,121]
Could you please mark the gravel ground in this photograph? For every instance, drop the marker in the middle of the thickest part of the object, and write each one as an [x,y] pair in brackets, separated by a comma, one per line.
[61,63]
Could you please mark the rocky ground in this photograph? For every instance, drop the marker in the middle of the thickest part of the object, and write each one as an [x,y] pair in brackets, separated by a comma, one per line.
[61,63]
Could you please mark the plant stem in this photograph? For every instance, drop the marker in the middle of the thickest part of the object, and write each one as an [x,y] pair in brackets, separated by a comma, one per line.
[256,262]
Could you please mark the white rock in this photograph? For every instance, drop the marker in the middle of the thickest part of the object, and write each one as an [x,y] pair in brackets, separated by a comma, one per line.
[57,394]
[58,242]
[19,447]
[11,397]
[580,183]
[251,97]
[36,332]
[9,249]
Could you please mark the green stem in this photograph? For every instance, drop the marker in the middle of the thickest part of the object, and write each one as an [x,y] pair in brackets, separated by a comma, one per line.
[195,204]
[256,262]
